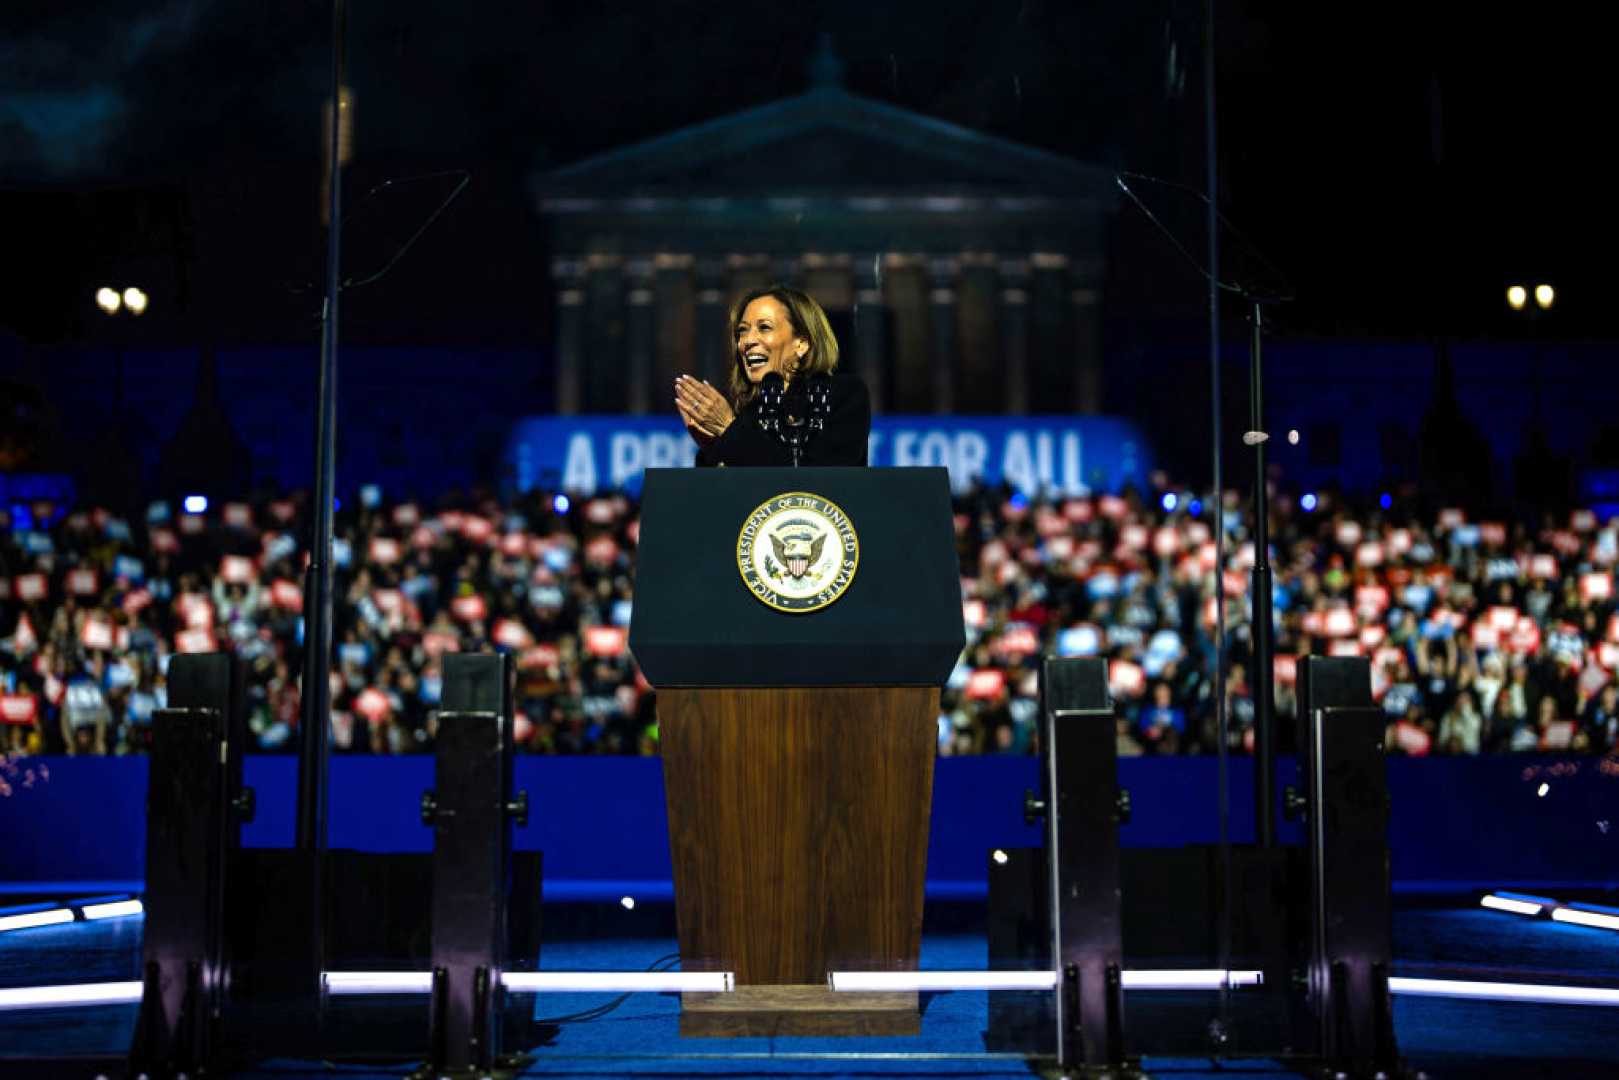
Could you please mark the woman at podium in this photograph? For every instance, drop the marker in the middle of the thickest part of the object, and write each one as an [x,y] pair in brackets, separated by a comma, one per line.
[787,404]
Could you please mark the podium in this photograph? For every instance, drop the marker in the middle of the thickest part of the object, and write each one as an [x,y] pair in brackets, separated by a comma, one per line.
[797,625]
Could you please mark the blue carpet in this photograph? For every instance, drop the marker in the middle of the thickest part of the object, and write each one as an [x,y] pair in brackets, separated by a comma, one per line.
[641,1038]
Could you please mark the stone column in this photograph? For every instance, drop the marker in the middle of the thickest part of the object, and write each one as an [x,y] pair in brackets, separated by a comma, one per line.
[980,375]
[1052,363]
[713,357]
[942,282]
[568,279]
[639,343]
[676,347]
[1086,296]
[870,327]
[1014,322]
[604,338]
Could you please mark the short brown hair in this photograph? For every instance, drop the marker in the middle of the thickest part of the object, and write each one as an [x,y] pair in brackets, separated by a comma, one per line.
[808,321]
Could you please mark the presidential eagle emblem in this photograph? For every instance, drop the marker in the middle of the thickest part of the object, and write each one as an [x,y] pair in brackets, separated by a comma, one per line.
[785,557]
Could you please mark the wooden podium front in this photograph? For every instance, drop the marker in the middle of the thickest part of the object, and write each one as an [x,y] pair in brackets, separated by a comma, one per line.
[797,746]
[798,827]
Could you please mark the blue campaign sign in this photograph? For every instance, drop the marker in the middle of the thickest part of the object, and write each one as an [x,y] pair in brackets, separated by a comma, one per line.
[1034,454]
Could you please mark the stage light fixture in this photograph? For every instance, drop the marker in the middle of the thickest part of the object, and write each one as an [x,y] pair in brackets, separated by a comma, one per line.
[1307,501]
[628,903]
[1545,296]
[1517,297]
[196,504]
[44,997]
[560,504]
[1542,790]
[108,300]
[925,981]
[1001,858]
[1498,991]
[32,919]
[1169,501]
[1504,903]
[135,300]
[1586,918]
[1385,500]
[340,983]
[116,909]
[1292,436]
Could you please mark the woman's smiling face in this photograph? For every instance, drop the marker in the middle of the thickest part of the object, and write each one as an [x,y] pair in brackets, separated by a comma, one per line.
[765,341]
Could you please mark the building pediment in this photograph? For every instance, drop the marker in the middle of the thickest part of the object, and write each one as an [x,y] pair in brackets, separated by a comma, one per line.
[824,142]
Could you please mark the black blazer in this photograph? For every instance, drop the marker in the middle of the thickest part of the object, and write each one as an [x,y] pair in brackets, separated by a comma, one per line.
[841,442]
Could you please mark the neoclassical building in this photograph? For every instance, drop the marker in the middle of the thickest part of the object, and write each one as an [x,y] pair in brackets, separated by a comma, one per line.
[962,273]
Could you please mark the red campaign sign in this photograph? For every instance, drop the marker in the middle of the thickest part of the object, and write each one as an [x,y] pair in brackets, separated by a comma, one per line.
[1047,522]
[1207,555]
[1236,584]
[512,634]
[1340,623]
[469,608]
[1398,577]
[1286,667]
[1369,554]
[1371,600]
[1018,639]
[388,601]
[22,638]
[18,708]
[1582,521]
[1493,533]
[1543,567]
[1346,647]
[238,515]
[1525,637]
[1126,679]
[55,689]
[601,551]
[286,595]
[81,582]
[545,657]
[1502,617]
[406,515]
[436,643]
[236,569]
[1608,655]
[477,530]
[372,704]
[192,524]
[514,545]
[1166,542]
[606,641]
[1348,533]
[137,601]
[974,613]
[1399,542]
[384,550]
[423,538]
[1111,506]
[1596,587]
[1314,623]
[283,510]
[985,684]
[1452,518]
[1078,511]
[1566,542]
[96,634]
[31,587]
[194,641]
[1485,636]
[600,511]
[1372,636]
[1412,739]
[164,541]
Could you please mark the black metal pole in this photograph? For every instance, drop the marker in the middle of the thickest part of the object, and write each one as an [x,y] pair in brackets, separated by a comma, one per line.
[315,716]
[1264,665]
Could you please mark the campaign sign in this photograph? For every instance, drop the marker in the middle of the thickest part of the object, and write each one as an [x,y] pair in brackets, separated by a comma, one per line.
[1055,455]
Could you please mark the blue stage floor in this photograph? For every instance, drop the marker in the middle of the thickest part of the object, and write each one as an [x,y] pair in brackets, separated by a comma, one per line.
[640,1038]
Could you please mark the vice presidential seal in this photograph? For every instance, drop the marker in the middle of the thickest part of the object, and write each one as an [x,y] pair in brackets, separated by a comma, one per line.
[797,552]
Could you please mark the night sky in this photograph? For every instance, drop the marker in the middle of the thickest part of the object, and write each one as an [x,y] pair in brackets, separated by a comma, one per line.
[1401,164]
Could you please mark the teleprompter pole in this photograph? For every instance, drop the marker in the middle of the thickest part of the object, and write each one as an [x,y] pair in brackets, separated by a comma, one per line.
[1264,630]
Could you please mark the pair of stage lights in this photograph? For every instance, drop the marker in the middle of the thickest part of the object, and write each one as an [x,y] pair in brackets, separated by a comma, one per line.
[1518,297]
[132,300]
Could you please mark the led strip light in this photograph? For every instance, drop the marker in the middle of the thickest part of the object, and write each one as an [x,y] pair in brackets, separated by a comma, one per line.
[339,983]
[1173,979]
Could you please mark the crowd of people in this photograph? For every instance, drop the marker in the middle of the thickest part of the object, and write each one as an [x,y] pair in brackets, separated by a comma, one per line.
[1482,636]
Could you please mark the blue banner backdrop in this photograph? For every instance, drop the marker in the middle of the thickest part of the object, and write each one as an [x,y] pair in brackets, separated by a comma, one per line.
[1059,455]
